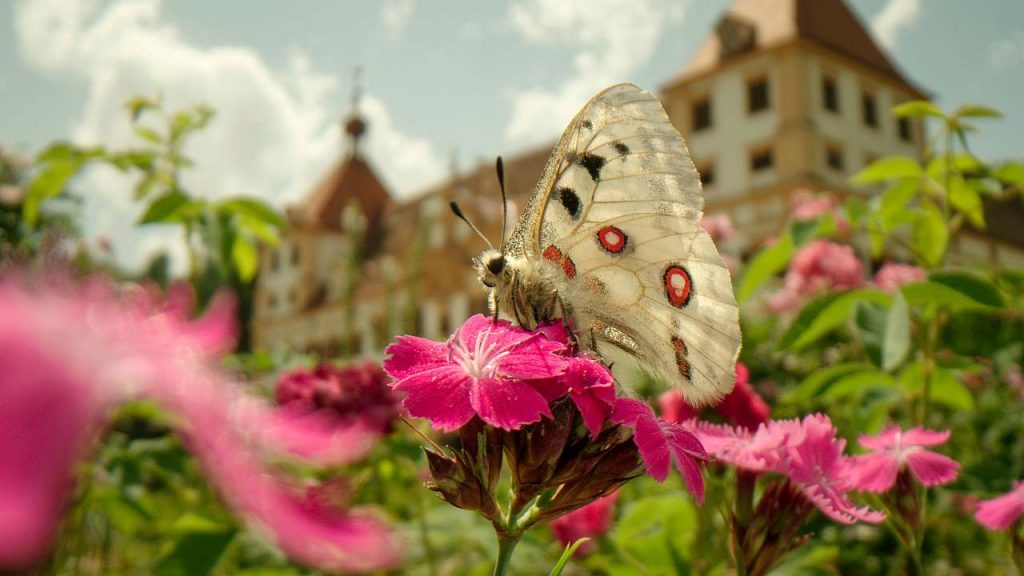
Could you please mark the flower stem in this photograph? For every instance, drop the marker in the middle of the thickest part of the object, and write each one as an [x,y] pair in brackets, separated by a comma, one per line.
[506,544]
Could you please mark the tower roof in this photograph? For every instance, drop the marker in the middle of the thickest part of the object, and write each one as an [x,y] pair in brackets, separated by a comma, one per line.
[756,25]
[351,180]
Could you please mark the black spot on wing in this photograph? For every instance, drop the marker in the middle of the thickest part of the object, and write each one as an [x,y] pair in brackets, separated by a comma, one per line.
[621,148]
[570,201]
[593,163]
[587,125]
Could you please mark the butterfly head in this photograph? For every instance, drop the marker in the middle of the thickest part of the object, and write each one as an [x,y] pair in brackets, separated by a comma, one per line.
[490,266]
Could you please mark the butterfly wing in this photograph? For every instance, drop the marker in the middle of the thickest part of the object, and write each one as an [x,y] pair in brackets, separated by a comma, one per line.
[618,209]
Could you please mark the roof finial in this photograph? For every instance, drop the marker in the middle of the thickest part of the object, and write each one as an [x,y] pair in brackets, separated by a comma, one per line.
[355,126]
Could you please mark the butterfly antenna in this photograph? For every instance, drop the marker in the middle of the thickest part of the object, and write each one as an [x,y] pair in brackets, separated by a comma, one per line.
[461,216]
[499,166]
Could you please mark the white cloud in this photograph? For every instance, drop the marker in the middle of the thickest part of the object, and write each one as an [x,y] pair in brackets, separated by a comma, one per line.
[274,134]
[1007,53]
[893,19]
[396,15]
[612,38]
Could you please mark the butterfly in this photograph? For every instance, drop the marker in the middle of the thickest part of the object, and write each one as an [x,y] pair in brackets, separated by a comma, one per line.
[611,242]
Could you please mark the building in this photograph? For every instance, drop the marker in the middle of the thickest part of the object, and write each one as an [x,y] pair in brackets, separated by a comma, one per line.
[782,96]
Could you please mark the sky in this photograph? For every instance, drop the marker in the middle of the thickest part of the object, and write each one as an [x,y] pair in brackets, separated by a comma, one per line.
[444,83]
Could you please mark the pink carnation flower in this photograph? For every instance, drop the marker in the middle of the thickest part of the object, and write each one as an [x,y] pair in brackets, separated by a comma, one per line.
[661,442]
[490,369]
[807,206]
[57,390]
[818,266]
[354,393]
[894,450]
[1002,512]
[590,521]
[892,275]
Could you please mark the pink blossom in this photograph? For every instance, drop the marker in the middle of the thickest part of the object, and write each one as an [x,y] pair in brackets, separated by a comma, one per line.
[358,392]
[660,442]
[590,521]
[490,369]
[895,449]
[807,206]
[817,267]
[57,389]
[719,227]
[592,389]
[743,405]
[1002,512]
[892,275]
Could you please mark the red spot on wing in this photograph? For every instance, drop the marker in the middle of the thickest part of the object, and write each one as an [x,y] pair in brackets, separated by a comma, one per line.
[612,239]
[678,285]
[553,254]
[681,362]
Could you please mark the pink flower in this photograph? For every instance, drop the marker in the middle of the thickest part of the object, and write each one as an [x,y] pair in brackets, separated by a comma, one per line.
[743,405]
[590,521]
[57,389]
[807,206]
[894,450]
[818,266]
[358,392]
[1002,512]
[660,442]
[719,227]
[592,389]
[490,369]
[892,275]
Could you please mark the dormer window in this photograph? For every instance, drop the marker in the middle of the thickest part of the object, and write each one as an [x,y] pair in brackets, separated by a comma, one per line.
[736,35]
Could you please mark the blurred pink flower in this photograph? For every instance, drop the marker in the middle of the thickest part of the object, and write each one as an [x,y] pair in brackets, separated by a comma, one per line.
[487,369]
[895,449]
[661,442]
[357,392]
[718,226]
[892,275]
[742,406]
[58,388]
[808,206]
[805,451]
[1002,512]
[590,521]
[818,266]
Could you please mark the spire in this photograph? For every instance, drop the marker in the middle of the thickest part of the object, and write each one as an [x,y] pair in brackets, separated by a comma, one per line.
[355,126]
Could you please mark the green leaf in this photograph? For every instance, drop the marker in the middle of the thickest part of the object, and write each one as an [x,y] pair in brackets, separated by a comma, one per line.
[971,285]
[930,235]
[870,320]
[253,209]
[858,383]
[566,555]
[139,104]
[888,168]
[244,257]
[652,524]
[966,199]
[48,184]
[977,111]
[200,545]
[1010,173]
[167,208]
[766,264]
[917,109]
[946,388]
[148,135]
[934,293]
[824,314]
[820,379]
[896,344]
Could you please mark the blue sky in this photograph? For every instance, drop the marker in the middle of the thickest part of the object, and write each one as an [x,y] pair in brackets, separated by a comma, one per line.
[471,78]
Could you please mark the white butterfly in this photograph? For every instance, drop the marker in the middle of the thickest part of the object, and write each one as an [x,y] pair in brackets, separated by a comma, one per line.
[611,240]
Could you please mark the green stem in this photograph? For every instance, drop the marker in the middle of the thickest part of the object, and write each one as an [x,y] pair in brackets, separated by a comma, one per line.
[928,367]
[506,545]
[428,547]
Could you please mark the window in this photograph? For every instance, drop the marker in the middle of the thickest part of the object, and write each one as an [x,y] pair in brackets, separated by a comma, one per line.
[761,159]
[834,157]
[757,95]
[295,255]
[870,108]
[830,94]
[702,114]
[906,129]
[707,174]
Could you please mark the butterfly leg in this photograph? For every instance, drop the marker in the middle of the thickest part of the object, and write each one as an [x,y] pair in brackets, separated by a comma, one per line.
[564,314]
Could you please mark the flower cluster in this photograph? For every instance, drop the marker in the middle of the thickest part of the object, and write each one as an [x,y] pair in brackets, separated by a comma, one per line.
[892,275]
[552,414]
[807,206]
[57,392]
[815,268]
[358,392]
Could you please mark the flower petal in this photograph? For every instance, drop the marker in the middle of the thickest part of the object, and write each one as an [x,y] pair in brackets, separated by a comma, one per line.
[411,354]
[932,469]
[507,404]
[592,389]
[440,395]
[1000,513]
[923,437]
[874,472]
